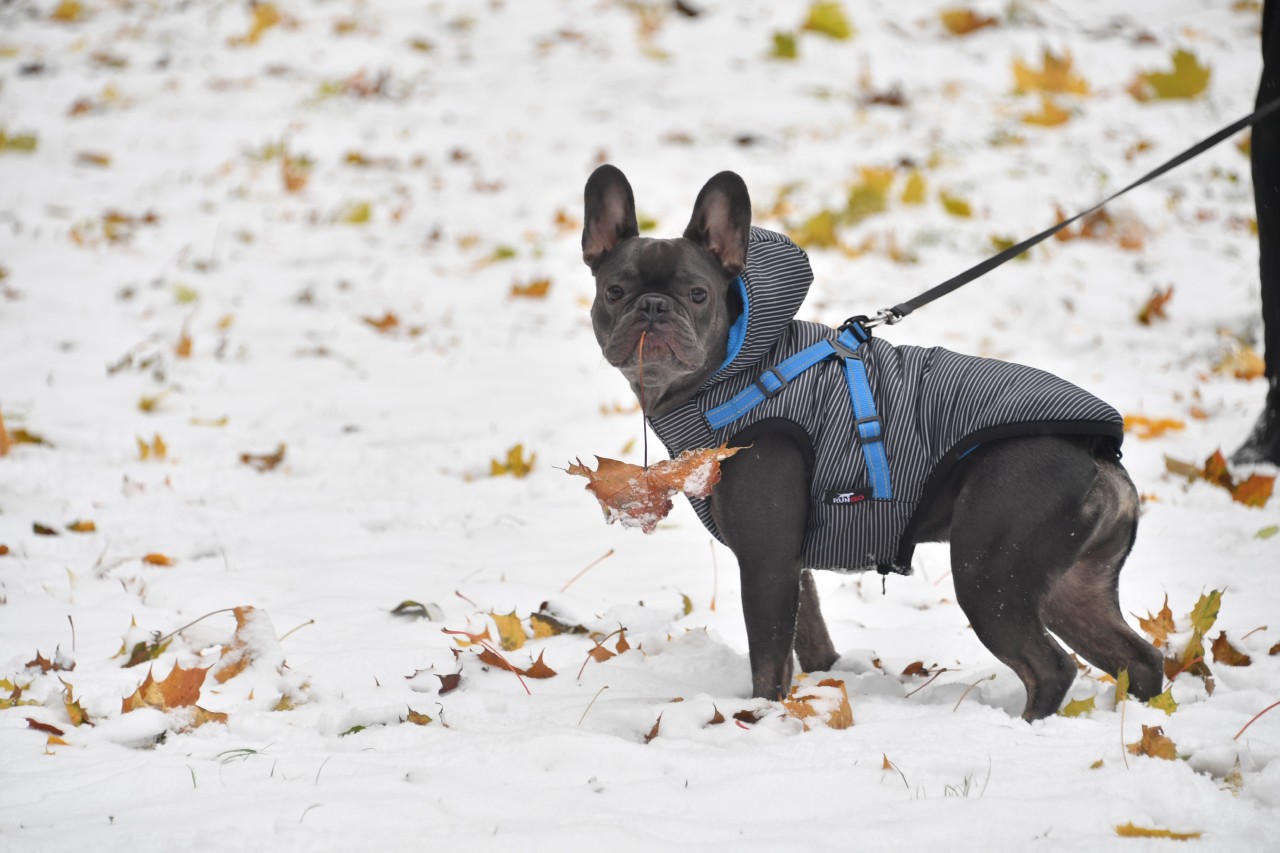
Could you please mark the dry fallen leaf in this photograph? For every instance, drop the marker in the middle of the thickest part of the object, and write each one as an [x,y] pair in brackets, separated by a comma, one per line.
[1076,707]
[262,462]
[1187,79]
[1155,744]
[536,289]
[180,689]
[1153,308]
[510,631]
[516,464]
[1227,654]
[154,559]
[961,22]
[641,497]
[1055,75]
[1159,626]
[1129,830]
[1146,428]
[828,703]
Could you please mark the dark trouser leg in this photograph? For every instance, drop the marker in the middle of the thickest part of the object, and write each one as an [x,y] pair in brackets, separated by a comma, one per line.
[1263,444]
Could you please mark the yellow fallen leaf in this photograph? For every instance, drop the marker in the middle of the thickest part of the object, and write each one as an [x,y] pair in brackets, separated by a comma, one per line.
[155,559]
[914,191]
[1187,79]
[510,631]
[1129,830]
[1055,75]
[515,464]
[961,22]
[829,19]
[1049,115]
[955,205]
[1146,428]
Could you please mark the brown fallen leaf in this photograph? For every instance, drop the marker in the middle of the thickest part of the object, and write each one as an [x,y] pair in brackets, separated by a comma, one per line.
[1155,744]
[1227,654]
[389,322]
[1254,491]
[653,732]
[42,529]
[237,654]
[6,443]
[538,669]
[45,665]
[155,559]
[961,22]
[716,718]
[450,682]
[1153,308]
[536,289]
[180,689]
[641,497]
[916,667]
[44,727]
[1159,626]
[829,698]
[263,462]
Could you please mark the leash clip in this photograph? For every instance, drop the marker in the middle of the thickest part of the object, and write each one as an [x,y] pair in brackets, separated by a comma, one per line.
[883,317]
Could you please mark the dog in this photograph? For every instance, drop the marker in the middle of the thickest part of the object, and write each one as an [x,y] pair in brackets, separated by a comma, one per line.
[854,450]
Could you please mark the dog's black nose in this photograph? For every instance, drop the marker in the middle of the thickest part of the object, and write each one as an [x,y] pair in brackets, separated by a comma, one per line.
[653,305]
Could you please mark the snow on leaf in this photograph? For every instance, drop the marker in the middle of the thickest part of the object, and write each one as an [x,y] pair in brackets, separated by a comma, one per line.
[515,464]
[1154,743]
[75,712]
[1159,626]
[33,723]
[1054,75]
[510,631]
[829,19]
[641,497]
[1076,707]
[180,689]
[254,638]
[827,703]
[962,22]
[1227,654]
[1187,79]
[1129,830]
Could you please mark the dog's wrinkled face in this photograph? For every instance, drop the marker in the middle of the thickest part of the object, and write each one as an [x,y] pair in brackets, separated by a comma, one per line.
[676,293]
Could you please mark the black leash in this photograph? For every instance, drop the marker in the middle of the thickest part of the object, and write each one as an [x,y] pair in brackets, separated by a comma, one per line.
[892,315]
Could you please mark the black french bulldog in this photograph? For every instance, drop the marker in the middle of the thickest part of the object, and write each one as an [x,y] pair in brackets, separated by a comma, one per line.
[1039,524]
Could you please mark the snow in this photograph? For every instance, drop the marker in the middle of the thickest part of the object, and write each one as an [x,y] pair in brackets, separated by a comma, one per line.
[384,493]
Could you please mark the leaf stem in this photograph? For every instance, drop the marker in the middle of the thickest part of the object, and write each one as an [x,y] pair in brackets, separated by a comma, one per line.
[592,702]
[1255,718]
[192,622]
[597,561]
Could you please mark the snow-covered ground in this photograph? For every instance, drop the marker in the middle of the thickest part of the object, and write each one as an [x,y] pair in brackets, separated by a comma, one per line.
[437,153]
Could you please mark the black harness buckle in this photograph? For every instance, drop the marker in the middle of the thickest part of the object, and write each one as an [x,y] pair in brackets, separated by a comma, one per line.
[769,395]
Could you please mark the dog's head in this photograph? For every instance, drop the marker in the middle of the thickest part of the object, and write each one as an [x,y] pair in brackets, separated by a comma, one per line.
[676,292]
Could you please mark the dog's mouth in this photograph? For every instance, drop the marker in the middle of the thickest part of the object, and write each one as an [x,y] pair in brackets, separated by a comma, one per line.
[665,345]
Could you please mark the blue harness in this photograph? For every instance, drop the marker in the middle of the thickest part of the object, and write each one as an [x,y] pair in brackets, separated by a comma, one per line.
[770,383]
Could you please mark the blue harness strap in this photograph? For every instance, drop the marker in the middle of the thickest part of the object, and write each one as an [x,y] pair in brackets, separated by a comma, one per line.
[866,421]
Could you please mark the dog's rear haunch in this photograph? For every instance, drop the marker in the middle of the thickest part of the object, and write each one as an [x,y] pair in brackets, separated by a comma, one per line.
[856,450]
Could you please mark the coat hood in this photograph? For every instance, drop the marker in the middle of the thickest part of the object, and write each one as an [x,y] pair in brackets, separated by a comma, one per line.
[772,288]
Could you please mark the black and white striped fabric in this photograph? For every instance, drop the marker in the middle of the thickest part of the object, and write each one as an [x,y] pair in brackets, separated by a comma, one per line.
[935,406]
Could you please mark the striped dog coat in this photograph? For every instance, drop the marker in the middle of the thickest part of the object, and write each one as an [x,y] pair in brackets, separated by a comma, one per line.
[880,425]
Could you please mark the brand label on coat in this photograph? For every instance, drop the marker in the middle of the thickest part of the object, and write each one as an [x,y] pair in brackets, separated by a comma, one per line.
[835,496]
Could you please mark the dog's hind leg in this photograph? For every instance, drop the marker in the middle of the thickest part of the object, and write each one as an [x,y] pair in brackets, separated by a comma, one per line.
[1012,535]
[1082,606]
[813,643]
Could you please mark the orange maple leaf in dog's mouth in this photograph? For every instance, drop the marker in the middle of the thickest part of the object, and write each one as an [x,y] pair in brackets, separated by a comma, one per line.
[636,496]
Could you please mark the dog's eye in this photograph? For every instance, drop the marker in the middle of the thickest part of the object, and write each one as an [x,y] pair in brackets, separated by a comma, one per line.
[613,293]
[698,295]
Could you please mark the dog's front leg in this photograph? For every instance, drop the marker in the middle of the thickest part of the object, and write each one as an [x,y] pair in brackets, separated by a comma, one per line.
[761,506]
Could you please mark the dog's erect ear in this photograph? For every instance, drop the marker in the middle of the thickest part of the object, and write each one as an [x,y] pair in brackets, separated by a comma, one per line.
[721,220]
[610,215]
